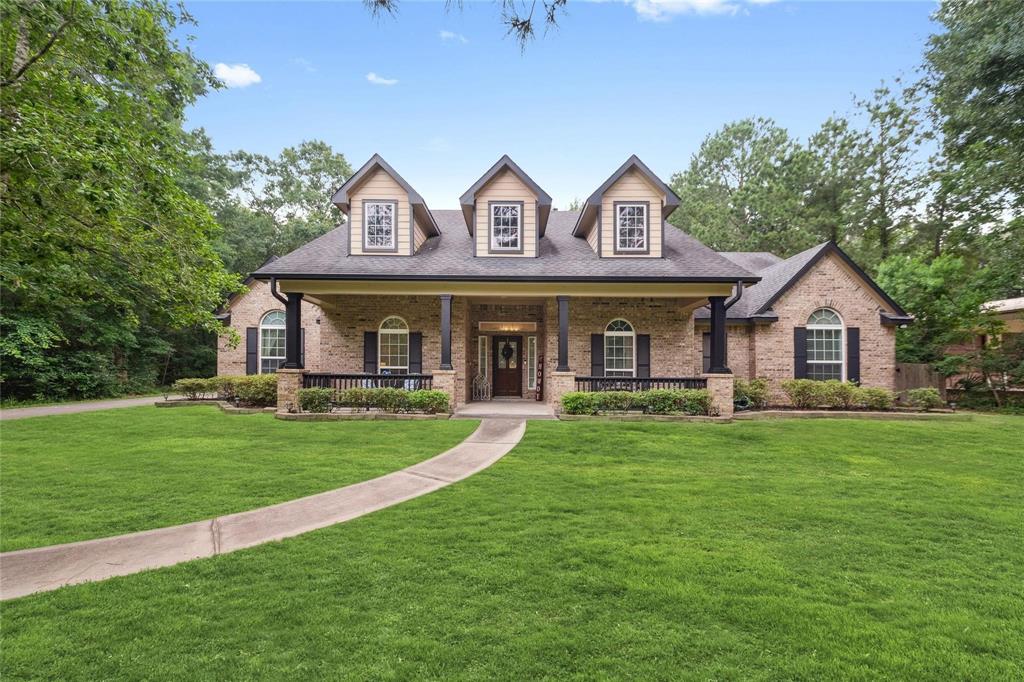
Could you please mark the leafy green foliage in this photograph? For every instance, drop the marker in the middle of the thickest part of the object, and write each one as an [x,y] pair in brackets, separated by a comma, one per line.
[197,389]
[841,395]
[753,392]
[315,399]
[875,398]
[655,401]
[428,401]
[804,393]
[394,400]
[256,390]
[925,398]
[808,394]
[103,248]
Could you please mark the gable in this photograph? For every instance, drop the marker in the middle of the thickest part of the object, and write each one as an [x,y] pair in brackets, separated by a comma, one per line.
[831,282]
[506,187]
[632,188]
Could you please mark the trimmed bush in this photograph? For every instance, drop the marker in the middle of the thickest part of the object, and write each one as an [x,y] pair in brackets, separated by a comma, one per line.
[394,400]
[840,395]
[925,398]
[225,387]
[257,390]
[754,392]
[196,389]
[656,401]
[431,402]
[875,398]
[804,393]
[315,399]
[580,402]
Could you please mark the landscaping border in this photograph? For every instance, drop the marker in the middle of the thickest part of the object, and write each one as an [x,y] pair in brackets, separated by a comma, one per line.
[358,416]
[755,415]
[223,405]
[643,418]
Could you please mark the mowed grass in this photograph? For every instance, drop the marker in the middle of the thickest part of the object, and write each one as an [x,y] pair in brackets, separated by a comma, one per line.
[813,550]
[82,476]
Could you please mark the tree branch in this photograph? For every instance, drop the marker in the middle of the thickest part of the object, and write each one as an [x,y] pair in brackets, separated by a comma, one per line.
[20,71]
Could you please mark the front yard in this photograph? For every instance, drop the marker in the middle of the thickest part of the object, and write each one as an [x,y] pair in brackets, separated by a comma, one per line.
[770,550]
[83,476]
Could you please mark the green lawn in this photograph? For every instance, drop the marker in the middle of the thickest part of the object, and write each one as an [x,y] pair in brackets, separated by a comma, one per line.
[811,550]
[82,476]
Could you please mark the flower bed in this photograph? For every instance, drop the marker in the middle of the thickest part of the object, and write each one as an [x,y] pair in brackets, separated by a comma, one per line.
[654,402]
[383,400]
[256,390]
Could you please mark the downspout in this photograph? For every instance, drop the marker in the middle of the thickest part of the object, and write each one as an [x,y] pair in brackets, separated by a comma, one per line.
[735,299]
[275,293]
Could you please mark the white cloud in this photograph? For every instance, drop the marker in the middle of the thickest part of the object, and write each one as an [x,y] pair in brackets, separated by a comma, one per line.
[380,80]
[236,75]
[449,36]
[664,10]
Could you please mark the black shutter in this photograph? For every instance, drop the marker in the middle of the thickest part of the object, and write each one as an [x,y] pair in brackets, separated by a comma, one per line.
[416,353]
[800,352]
[706,351]
[643,356]
[597,355]
[853,354]
[252,350]
[370,352]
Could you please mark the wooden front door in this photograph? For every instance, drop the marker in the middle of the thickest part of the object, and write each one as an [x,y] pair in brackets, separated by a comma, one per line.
[508,364]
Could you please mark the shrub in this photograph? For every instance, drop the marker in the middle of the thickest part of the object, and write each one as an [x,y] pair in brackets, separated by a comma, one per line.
[431,402]
[925,398]
[656,401]
[195,389]
[875,398]
[580,402]
[838,394]
[616,401]
[390,399]
[754,392]
[257,390]
[358,398]
[804,393]
[315,399]
[225,387]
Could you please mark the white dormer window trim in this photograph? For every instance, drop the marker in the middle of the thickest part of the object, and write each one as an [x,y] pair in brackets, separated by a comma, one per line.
[505,223]
[632,227]
[380,220]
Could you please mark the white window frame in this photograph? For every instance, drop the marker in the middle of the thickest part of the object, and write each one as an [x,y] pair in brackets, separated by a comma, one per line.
[619,372]
[841,328]
[531,363]
[519,226]
[619,227]
[381,367]
[275,327]
[393,243]
[482,359]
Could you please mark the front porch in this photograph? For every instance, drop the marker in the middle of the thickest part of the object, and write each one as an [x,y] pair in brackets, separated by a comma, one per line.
[480,348]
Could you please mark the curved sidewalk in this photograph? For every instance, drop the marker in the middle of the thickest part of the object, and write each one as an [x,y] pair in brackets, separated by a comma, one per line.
[46,568]
[73,408]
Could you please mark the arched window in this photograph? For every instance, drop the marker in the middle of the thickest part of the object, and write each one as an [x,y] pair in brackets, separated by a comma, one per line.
[393,346]
[272,341]
[825,345]
[619,349]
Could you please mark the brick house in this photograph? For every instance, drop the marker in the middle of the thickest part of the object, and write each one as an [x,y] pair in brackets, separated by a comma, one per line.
[507,297]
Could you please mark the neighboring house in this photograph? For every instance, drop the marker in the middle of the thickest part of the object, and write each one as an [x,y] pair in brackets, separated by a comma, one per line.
[509,294]
[1010,311]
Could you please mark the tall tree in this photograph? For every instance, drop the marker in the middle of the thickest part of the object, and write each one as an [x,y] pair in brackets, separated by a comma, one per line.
[744,189]
[892,183]
[838,164]
[976,76]
[100,237]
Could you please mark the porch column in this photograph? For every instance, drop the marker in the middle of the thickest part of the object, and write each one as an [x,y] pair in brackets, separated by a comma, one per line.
[719,347]
[293,332]
[563,334]
[446,331]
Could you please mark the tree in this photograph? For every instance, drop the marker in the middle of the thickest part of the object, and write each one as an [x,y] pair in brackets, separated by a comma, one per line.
[744,189]
[891,186]
[976,77]
[101,240]
[838,163]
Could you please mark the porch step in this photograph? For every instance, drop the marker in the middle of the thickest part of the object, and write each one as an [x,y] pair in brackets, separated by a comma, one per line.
[498,409]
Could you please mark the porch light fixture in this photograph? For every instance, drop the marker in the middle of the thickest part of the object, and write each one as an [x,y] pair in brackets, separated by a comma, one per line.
[508,326]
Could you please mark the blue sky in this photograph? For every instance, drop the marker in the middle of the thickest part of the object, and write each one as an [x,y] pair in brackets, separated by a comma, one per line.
[617,78]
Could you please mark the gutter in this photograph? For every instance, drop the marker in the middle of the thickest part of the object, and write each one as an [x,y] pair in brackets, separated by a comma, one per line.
[506,278]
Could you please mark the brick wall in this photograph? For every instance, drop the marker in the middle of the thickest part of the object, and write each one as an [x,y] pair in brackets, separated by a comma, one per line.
[246,311]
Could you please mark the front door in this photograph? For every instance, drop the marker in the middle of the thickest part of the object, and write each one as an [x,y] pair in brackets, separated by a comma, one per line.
[508,363]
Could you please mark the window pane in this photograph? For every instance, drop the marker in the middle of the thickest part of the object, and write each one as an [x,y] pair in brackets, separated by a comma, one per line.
[394,350]
[531,362]
[631,227]
[505,232]
[380,225]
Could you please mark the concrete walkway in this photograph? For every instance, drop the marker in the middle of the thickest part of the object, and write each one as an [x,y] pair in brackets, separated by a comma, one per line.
[504,409]
[47,568]
[71,408]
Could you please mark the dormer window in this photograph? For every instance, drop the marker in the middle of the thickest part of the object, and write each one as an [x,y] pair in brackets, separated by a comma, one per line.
[507,227]
[379,219]
[631,227]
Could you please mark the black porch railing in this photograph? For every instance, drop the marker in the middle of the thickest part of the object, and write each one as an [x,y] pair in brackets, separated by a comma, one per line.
[340,382]
[634,384]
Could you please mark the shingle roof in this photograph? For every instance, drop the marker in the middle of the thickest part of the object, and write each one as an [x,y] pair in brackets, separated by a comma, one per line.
[561,257]
[777,278]
[752,260]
